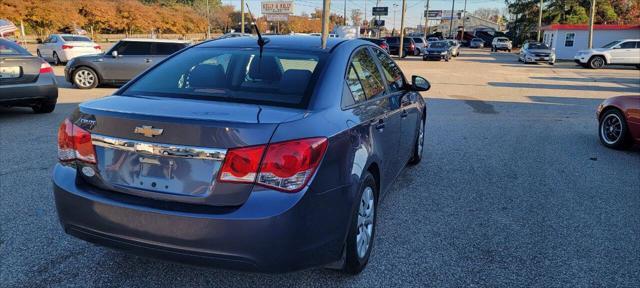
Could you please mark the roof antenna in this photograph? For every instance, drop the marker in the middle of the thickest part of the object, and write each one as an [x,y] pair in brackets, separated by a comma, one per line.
[261,41]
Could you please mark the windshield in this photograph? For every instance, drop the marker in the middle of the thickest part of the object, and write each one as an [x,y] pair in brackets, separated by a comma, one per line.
[538,46]
[417,40]
[281,78]
[438,45]
[503,40]
[614,43]
[76,39]
[10,48]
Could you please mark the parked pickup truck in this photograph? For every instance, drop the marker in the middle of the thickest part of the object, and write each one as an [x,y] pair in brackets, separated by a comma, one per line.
[619,52]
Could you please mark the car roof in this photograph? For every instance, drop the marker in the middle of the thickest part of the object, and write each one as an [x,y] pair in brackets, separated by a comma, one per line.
[155,40]
[286,42]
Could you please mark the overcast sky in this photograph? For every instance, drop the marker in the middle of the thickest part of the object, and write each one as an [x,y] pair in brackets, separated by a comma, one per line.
[415,8]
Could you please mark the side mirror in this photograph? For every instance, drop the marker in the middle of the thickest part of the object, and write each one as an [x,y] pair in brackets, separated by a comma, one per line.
[114,54]
[419,84]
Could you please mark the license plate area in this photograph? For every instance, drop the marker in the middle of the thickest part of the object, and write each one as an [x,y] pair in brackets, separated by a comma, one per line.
[10,72]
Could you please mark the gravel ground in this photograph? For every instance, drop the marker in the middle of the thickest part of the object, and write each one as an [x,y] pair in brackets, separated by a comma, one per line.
[514,190]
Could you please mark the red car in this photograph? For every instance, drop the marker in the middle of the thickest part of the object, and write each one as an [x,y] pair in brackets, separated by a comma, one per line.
[619,119]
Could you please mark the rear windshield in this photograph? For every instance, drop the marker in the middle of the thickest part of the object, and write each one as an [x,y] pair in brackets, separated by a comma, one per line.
[11,48]
[438,45]
[417,40]
[76,39]
[503,40]
[538,46]
[281,78]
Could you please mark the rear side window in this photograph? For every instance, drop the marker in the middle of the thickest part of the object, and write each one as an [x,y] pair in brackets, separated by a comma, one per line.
[11,48]
[391,71]
[281,78]
[134,48]
[628,45]
[166,48]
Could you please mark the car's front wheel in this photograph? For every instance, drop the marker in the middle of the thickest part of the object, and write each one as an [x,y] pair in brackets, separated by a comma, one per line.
[418,146]
[56,59]
[363,227]
[597,62]
[613,130]
[85,78]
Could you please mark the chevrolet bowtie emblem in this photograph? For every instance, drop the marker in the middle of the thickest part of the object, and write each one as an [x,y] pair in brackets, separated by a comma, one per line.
[148,131]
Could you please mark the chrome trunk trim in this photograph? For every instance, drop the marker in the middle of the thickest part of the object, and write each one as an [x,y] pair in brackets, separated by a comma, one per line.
[158,149]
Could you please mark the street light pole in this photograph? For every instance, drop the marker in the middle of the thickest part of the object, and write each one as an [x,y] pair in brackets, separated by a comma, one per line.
[591,20]
[326,6]
[453,5]
[539,20]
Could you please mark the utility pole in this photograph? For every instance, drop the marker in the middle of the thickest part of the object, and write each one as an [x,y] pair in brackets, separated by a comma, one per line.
[345,13]
[242,17]
[539,21]
[404,10]
[592,17]
[326,10]
[426,21]
[464,17]
[208,22]
[453,5]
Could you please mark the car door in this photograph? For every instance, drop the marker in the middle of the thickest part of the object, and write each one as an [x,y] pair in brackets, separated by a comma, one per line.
[373,107]
[132,59]
[623,52]
[406,105]
[45,48]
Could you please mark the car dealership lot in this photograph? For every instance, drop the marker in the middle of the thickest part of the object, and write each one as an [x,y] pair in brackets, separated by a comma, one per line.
[514,189]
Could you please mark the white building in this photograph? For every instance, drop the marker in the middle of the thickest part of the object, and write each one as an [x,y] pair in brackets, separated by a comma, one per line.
[568,39]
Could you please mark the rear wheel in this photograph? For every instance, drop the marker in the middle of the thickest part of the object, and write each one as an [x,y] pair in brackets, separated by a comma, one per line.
[362,231]
[46,106]
[613,130]
[56,59]
[38,53]
[596,62]
[85,78]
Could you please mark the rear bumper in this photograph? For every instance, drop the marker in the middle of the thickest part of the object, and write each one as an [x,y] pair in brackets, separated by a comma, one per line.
[270,232]
[68,55]
[433,56]
[45,88]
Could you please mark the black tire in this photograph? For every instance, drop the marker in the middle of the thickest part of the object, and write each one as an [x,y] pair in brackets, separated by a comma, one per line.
[38,53]
[446,58]
[597,62]
[424,58]
[637,66]
[89,73]
[45,106]
[509,50]
[56,59]
[404,54]
[607,136]
[355,263]
[416,157]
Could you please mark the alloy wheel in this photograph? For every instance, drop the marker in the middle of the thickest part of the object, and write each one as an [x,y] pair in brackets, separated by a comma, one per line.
[365,222]
[597,62]
[611,129]
[84,78]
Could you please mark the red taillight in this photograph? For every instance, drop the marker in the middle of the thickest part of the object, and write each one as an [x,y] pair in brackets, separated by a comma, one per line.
[66,47]
[241,164]
[97,47]
[45,68]
[287,166]
[74,143]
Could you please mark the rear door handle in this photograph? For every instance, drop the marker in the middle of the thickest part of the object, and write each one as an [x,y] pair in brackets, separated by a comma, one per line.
[147,60]
[380,124]
[404,114]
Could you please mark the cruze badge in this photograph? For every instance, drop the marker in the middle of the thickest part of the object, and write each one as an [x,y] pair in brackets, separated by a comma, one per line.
[148,131]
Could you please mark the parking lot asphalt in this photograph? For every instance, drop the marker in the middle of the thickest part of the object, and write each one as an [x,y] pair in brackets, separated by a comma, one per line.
[514,190]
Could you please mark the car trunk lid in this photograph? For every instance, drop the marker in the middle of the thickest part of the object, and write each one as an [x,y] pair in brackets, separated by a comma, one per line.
[19,69]
[172,149]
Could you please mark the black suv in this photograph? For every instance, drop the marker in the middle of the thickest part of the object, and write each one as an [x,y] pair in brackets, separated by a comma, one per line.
[409,46]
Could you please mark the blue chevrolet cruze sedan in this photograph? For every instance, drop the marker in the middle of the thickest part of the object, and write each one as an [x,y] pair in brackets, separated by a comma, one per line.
[229,153]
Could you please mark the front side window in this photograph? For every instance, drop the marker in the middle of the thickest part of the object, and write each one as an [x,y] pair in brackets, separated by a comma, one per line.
[611,44]
[628,45]
[367,71]
[568,39]
[391,71]
[281,78]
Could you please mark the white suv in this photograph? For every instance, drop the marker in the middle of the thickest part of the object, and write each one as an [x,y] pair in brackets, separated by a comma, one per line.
[620,52]
[501,43]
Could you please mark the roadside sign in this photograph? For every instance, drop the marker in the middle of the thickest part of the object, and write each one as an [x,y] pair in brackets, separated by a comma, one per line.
[433,14]
[448,14]
[380,11]
[277,17]
[378,23]
[277,7]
